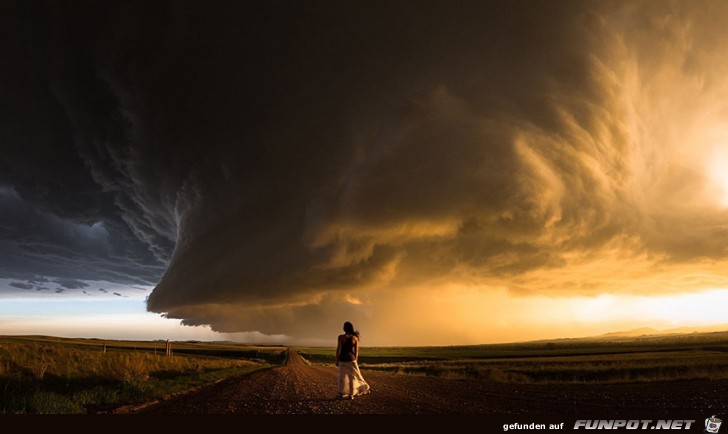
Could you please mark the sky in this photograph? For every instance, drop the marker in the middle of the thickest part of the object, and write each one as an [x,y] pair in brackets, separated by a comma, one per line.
[437,173]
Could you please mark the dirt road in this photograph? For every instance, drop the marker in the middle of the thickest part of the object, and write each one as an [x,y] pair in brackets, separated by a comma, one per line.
[297,388]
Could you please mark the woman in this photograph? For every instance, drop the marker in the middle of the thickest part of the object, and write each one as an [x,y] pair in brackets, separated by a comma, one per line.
[351,383]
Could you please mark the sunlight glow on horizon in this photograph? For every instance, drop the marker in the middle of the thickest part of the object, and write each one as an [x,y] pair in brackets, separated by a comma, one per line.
[701,309]
[484,317]
[523,318]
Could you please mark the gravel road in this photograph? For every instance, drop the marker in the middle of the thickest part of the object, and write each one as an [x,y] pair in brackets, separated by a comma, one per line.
[297,387]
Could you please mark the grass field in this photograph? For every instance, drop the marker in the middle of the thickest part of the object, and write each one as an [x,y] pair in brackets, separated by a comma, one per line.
[56,375]
[41,374]
[649,358]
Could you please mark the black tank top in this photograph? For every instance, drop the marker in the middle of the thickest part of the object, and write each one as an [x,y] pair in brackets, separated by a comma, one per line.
[347,349]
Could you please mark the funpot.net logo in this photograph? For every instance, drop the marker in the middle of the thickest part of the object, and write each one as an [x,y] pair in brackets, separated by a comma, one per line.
[634,424]
[712,424]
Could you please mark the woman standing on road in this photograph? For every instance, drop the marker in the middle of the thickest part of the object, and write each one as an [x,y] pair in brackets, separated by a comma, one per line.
[351,383]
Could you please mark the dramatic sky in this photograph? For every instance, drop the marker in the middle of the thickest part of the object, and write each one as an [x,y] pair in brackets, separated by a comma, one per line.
[435,172]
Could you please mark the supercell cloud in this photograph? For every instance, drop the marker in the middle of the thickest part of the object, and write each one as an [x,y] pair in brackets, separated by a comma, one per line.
[278,166]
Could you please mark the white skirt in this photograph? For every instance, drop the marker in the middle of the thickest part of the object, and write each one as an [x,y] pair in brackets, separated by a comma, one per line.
[351,383]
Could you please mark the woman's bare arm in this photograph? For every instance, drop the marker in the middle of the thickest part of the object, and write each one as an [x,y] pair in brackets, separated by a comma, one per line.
[356,348]
[338,349]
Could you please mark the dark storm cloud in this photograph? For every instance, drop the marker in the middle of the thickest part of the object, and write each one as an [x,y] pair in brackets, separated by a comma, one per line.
[486,143]
[38,241]
[341,153]
[71,283]
[21,285]
[267,153]
[56,218]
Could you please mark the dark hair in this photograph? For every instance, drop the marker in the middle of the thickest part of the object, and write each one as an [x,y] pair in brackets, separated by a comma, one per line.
[349,329]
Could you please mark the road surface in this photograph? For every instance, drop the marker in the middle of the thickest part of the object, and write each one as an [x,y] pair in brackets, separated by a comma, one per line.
[297,387]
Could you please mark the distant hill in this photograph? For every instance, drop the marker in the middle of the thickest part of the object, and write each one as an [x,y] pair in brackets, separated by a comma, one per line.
[644,331]
[648,331]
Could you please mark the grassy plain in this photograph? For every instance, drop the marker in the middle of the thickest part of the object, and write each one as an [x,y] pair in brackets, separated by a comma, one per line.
[597,360]
[41,374]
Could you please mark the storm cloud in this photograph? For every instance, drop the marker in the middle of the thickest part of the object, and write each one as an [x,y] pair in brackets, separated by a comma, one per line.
[269,164]
[21,285]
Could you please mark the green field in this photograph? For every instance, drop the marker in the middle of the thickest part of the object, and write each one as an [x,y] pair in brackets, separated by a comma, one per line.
[41,374]
[612,360]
